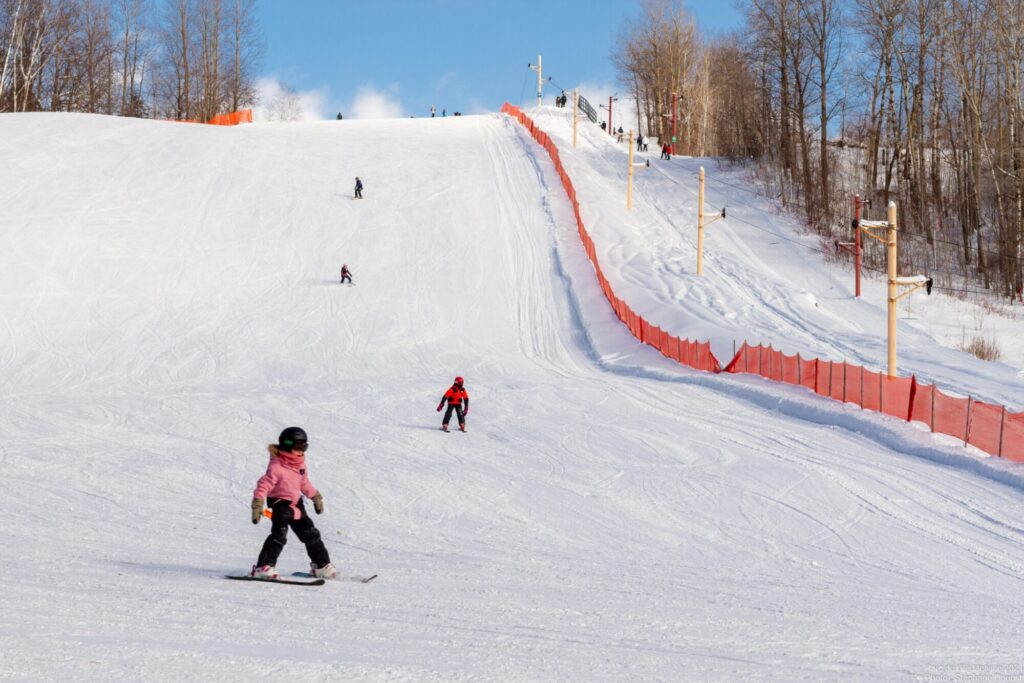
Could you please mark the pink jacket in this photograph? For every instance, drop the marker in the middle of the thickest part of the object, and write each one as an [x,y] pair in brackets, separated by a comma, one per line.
[286,478]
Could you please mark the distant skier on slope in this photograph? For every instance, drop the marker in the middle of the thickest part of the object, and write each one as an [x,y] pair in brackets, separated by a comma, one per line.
[285,482]
[456,397]
[346,274]
[359,188]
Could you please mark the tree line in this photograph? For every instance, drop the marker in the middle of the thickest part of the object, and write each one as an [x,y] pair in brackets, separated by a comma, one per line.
[913,101]
[178,59]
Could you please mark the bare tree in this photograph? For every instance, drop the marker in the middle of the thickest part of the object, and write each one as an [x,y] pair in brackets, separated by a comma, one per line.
[195,57]
[133,51]
[246,50]
[656,57]
[11,20]
[209,31]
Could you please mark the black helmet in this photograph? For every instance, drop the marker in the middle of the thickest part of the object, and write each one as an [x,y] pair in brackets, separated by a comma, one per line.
[291,437]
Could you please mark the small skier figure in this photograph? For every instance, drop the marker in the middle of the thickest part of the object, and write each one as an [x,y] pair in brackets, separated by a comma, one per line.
[359,188]
[283,486]
[346,274]
[456,397]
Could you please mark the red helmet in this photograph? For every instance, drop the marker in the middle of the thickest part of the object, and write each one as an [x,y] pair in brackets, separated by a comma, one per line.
[458,380]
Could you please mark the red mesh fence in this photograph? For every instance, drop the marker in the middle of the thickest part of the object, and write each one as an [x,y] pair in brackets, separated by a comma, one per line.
[871,399]
[809,373]
[1012,438]
[790,369]
[949,415]
[896,396]
[983,426]
[988,427]
[854,384]
[922,403]
[837,381]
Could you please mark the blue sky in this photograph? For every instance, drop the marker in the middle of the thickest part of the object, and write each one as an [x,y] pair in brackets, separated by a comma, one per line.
[373,58]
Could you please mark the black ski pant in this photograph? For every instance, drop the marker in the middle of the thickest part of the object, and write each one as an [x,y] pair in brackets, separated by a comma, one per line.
[457,407]
[359,193]
[346,277]
[303,527]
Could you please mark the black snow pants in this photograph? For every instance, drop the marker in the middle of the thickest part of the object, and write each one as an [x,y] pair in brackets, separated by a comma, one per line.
[303,528]
[458,412]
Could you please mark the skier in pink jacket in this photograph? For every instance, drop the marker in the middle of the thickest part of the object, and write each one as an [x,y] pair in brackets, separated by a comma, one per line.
[283,487]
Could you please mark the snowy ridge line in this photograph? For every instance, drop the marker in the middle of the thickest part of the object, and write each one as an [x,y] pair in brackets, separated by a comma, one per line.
[988,427]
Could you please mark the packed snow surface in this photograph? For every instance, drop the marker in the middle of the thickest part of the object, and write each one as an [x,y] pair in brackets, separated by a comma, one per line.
[169,301]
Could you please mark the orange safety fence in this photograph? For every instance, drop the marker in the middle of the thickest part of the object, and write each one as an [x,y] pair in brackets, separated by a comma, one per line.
[990,428]
[232,119]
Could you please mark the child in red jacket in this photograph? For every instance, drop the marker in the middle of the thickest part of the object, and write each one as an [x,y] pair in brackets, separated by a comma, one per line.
[283,487]
[458,400]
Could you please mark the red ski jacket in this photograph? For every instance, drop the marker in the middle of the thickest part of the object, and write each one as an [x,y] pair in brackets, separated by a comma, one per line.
[455,396]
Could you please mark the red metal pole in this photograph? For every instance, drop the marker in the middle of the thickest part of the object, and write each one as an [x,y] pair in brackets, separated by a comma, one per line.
[675,110]
[856,257]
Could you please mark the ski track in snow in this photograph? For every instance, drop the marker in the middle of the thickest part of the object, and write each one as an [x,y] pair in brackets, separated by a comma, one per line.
[608,516]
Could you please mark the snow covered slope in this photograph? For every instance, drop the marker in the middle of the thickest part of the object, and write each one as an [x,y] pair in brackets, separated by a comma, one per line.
[764,281]
[168,302]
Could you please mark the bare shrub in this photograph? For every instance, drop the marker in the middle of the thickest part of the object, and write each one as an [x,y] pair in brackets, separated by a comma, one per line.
[981,346]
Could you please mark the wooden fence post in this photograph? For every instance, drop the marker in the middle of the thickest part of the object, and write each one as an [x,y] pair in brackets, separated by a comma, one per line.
[967,422]
[862,386]
[934,389]
[1002,427]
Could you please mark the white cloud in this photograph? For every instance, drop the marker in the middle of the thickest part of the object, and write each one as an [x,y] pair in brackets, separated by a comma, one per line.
[371,103]
[278,102]
[449,79]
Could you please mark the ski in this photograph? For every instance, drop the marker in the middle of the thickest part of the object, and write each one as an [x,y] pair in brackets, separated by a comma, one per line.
[360,579]
[314,582]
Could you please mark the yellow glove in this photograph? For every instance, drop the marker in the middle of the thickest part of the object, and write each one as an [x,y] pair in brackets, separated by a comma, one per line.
[257,510]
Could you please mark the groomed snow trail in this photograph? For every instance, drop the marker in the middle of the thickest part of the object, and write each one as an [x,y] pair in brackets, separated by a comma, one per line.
[169,302]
